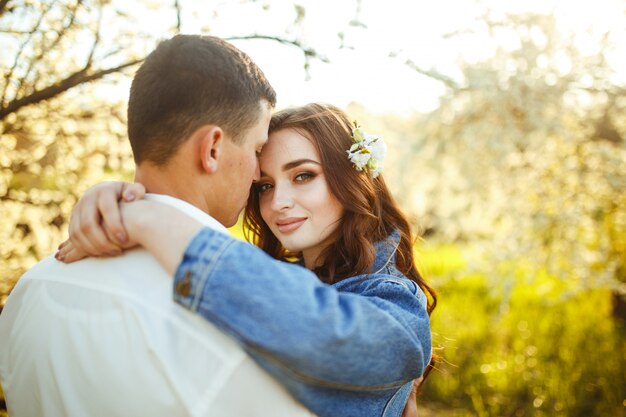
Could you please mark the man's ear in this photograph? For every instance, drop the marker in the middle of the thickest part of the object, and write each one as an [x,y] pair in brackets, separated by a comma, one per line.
[211,147]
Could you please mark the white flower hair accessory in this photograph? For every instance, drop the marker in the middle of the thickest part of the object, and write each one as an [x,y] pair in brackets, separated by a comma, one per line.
[367,152]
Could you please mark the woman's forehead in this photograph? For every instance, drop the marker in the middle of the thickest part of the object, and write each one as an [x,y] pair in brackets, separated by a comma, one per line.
[287,144]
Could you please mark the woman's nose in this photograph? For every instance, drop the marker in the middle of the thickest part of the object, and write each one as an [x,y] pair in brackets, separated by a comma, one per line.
[282,199]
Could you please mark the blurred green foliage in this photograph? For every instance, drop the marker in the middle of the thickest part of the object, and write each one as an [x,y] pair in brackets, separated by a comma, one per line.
[535,348]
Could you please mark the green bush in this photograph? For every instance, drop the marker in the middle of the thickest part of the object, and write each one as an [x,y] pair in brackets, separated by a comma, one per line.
[523,346]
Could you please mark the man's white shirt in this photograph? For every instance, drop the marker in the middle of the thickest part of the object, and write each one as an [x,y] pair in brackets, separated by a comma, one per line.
[103,337]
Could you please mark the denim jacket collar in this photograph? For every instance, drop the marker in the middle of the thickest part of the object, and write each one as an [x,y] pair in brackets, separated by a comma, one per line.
[386,252]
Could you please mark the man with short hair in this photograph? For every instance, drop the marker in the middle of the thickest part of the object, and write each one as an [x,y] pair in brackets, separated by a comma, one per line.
[103,337]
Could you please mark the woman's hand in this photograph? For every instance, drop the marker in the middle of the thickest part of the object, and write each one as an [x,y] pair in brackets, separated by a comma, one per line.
[69,252]
[96,227]
[160,228]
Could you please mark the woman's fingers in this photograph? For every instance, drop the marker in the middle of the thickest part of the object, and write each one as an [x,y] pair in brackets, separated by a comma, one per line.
[112,223]
[88,222]
[96,226]
[68,253]
[132,192]
[108,207]
[78,221]
[90,235]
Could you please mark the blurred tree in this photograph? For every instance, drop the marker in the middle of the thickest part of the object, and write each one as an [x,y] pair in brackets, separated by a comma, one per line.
[65,64]
[526,154]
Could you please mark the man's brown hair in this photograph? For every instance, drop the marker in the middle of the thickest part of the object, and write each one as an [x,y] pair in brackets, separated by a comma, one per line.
[189,81]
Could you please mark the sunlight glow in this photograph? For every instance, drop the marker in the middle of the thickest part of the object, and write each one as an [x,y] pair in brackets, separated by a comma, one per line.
[379,38]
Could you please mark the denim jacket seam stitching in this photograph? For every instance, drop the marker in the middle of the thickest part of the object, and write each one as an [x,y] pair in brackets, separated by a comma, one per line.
[389,257]
[321,382]
[205,271]
[191,262]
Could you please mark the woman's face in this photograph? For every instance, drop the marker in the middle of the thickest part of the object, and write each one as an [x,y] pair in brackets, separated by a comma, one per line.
[295,200]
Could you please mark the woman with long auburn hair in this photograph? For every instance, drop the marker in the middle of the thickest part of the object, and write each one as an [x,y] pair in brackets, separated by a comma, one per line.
[347,340]
[370,213]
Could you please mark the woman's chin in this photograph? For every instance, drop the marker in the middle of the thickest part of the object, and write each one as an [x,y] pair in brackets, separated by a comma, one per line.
[292,248]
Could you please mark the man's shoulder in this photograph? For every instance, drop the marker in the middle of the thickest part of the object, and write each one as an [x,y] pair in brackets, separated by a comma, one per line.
[126,263]
[133,285]
[125,274]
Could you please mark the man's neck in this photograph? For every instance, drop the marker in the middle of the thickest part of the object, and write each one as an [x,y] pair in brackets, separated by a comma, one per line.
[161,180]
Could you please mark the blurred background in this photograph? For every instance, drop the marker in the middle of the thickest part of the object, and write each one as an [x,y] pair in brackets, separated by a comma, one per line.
[507,130]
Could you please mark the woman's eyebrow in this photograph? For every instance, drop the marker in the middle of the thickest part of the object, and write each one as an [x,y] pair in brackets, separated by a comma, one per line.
[298,162]
[293,164]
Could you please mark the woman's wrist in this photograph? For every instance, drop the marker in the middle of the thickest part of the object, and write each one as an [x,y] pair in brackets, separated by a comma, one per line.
[140,219]
[163,230]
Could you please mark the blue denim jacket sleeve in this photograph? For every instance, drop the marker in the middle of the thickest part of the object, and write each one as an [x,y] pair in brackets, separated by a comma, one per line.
[367,332]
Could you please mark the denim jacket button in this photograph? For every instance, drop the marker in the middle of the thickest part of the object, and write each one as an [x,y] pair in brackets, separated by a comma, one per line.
[183,287]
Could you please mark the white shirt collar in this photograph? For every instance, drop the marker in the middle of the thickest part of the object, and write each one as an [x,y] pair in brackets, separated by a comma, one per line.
[189,209]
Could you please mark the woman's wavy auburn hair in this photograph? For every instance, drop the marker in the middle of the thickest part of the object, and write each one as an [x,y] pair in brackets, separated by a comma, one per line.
[370,212]
[370,215]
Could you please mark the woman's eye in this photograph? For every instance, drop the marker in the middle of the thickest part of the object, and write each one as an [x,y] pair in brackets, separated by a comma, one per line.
[304,176]
[261,188]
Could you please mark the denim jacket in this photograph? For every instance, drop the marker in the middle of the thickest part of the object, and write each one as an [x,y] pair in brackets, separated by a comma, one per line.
[350,349]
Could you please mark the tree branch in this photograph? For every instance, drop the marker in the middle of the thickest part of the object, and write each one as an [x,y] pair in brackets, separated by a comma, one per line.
[3,5]
[83,76]
[15,32]
[80,77]
[308,52]
[449,82]
[96,40]
[18,55]
[178,18]
[43,49]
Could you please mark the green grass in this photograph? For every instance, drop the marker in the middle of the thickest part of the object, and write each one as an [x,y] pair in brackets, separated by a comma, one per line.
[521,346]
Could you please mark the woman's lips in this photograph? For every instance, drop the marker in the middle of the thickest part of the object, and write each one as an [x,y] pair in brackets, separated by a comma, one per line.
[290,224]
